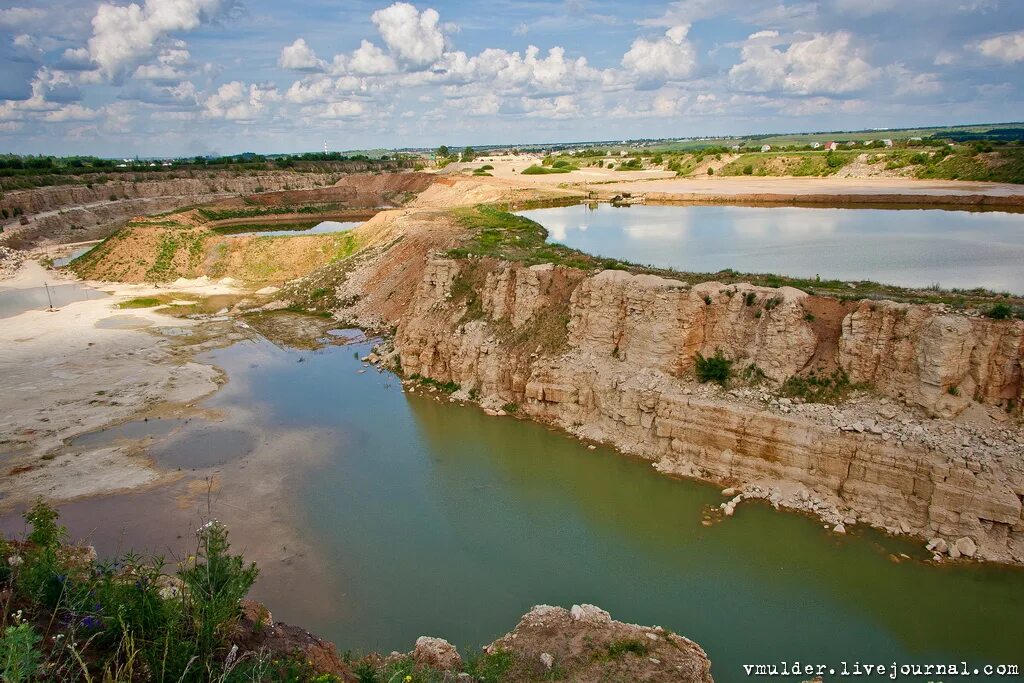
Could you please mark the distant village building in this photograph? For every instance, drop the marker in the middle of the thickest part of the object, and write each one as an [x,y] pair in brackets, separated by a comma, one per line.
[831,146]
[815,145]
[766,148]
[735,148]
[851,143]
[887,142]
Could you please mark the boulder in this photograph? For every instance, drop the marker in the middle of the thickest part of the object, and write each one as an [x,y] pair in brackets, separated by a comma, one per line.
[590,614]
[436,653]
[966,546]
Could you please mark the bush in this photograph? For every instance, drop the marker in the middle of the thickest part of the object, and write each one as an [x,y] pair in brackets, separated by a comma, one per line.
[717,368]
[711,171]
[748,169]
[541,170]
[1000,312]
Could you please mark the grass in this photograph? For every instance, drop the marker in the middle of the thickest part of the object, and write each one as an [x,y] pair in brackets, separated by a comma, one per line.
[630,646]
[141,302]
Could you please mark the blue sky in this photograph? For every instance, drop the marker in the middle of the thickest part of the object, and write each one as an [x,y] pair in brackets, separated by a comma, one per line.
[181,77]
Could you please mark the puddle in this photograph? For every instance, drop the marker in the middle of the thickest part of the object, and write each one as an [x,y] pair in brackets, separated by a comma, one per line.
[134,430]
[123,322]
[203,447]
[75,253]
[15,301]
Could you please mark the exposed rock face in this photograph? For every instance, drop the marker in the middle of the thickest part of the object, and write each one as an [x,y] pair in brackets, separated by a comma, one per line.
[588,645]
[921,353]
[70,213]
[609,357]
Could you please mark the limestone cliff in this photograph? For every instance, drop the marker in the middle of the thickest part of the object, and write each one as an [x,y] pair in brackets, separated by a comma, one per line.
[609,357]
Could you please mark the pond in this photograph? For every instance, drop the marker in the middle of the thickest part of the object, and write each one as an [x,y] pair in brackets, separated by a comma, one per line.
[62,261]
[272,230]
[907,247]
[433,518]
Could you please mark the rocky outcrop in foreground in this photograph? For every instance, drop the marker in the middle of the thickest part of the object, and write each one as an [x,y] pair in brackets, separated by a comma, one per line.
[586,644]
[549,643]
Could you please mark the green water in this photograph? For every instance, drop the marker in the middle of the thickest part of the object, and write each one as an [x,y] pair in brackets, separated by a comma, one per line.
[436,519]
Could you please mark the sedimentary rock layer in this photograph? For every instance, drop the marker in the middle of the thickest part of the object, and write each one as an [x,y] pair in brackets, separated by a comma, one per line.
[610,356]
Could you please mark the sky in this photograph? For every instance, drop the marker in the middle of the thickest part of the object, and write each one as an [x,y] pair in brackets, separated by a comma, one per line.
[187,77]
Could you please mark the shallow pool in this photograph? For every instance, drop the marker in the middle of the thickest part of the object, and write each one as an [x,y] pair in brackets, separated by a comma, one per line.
[273,231]
[18,300]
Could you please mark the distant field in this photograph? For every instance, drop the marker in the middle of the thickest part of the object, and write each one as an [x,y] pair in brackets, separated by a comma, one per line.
[797,139]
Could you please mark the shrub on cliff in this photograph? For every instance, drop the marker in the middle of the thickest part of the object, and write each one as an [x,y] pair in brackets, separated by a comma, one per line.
[717,368]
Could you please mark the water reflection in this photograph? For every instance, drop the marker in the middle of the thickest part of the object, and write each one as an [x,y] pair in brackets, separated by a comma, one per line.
[18,300]
[318,229]
[435,519]
[914,248]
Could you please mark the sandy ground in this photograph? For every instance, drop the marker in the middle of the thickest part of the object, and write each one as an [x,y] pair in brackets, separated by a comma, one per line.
[89,365]
[76,369]
[509,169]
[771,185]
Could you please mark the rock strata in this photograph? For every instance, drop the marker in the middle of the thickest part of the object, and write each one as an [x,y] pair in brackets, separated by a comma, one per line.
[610,358]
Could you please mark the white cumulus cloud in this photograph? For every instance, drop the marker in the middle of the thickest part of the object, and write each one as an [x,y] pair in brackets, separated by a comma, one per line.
[124,36]
[235,101]
[414,37]
[300,57]
[816,63]
[671,57]
[1008,47]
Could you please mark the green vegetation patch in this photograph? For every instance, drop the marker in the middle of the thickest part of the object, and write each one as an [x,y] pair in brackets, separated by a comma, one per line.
[213,214]
[142,302]
[447,387]
[544,170]
[716,369]
[506,236]
[815,388]
[630,646]
[790,164]
[130,619]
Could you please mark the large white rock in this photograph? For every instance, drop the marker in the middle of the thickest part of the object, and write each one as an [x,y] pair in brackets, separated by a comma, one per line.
[437,653]
[966,546]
